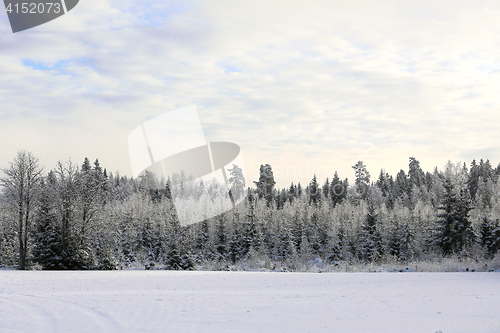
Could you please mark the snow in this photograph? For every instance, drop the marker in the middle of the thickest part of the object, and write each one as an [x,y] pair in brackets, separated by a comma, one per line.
[178,301]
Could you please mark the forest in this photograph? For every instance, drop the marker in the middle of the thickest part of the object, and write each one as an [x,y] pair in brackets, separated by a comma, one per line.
[82,217]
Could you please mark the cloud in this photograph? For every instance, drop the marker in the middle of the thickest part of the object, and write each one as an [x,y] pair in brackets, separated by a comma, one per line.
[291,82]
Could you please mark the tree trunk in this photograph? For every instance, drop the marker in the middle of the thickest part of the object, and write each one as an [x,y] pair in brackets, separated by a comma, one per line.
[21,237]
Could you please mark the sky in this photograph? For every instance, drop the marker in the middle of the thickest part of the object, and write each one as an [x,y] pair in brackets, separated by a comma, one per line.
[307,87]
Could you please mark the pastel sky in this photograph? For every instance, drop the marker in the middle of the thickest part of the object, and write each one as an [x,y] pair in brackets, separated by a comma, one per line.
[306,86]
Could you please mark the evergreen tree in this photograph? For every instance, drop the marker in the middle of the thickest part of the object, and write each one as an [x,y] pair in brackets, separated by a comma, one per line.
[362,181]
[292,193]
[265,185]
[497,171]
[370,241]
[386,184]
[46,250]
[75,251]
[326,189]
[401,241]
[221,238]
[416,176]
[383,183]
[401,187]
[168,187]
[281,198]
[484,193]
[473,181]
[454,232]
[89,188]
[338,190]
[339,245]
[281,241]
[490,237]
[314,192]
[235,244]
[306,252]
[429,181]
[237,183]
[485,170]
[299,190]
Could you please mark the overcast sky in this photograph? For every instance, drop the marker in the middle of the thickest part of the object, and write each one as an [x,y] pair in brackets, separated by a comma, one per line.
[306,86]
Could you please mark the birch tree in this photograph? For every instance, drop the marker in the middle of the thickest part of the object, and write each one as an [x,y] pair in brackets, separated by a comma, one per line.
[22,185]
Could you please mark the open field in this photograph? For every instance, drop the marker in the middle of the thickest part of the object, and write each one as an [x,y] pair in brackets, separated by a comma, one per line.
[178,301]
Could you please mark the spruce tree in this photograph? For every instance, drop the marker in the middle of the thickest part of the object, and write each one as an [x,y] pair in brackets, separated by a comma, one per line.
[490,237]
[47,249]
[370,241]
[401,187]
[454,232]
[337,191]
[292,193]
[473,181]
[386,185]
[401,241]
[314,192]
[326,189]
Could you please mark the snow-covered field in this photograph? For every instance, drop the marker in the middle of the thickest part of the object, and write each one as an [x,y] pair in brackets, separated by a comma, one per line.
[173,301]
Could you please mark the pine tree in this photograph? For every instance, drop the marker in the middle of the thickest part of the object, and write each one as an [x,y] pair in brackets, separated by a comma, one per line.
[237,183]
[314,192]
[362,179]
[265,185]
[416,176]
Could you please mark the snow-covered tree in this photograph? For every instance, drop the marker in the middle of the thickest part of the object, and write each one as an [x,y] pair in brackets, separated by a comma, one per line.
[314,191]
[22,186]
[454,231]
[46,236]
[490,237]
[265,185]
[362,181]
[237,183]
[370,241]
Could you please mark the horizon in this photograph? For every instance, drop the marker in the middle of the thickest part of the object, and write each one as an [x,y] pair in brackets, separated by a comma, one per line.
[278,172]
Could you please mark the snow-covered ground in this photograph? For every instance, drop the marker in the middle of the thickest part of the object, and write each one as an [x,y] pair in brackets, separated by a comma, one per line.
[173,301]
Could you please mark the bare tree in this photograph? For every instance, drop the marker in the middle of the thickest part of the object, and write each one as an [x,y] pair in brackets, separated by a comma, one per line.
[22,184]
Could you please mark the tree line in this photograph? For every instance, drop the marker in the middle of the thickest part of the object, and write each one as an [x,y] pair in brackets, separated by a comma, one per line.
[84,217]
